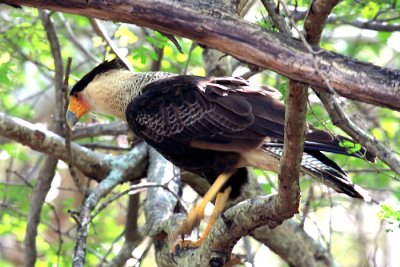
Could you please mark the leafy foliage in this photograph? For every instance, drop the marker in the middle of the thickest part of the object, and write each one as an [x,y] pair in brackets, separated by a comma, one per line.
[26,83]
[392,216]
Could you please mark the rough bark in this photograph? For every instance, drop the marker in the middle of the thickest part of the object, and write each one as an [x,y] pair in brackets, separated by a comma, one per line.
[120,166]
[288,240]
[48,169]
[289,165]
[248,42]
[90,163]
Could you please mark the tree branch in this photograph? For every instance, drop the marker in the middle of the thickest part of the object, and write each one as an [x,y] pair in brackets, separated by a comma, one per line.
[99,129]
[47,171]
[248,42]
[304,252]
[39,192]
[160,204]
[340,119]
[132,235]
[295,123]
[316,18]
[374,25]
[289,165]
[318,15]
[94,165]
[131,164]
[288,240]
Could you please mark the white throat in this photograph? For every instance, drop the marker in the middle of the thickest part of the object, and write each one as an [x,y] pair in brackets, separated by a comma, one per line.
[111,92]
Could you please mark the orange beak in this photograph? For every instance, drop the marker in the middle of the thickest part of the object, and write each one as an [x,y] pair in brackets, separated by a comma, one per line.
[77,107]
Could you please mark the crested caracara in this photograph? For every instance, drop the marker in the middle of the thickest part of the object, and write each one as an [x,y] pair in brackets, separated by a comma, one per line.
[213,127]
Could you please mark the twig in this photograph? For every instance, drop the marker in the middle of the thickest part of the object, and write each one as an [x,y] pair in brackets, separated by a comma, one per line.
[75,41]
[67,130]
[98,129]
[134,189]
[60,238]
[306,209]
[97,24]
[104,146]
[276,18]
[373,170]
[340,119]
[119,170]
[192,47]
[132,234]
[104,257]
[38,196]
[139,262]
[21,177]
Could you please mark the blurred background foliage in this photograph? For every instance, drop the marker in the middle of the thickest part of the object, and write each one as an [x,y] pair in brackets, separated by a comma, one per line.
[356,234]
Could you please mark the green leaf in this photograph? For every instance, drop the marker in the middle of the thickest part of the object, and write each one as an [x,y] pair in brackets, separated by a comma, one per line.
[350,146]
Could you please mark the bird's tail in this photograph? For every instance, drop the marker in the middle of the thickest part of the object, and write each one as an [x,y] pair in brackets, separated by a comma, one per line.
[325,170]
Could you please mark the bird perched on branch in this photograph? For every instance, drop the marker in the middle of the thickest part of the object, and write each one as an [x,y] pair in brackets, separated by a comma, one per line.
[213,127]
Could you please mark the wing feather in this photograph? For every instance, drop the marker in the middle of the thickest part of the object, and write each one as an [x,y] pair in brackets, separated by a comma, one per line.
[188,108]
[225,114]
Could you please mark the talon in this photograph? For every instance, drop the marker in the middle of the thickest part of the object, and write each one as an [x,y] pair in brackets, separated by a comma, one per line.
[182,245]
[197,214]
[176,250]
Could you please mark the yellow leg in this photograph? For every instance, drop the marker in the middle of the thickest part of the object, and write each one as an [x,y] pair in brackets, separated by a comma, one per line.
[197,214]
[220,204]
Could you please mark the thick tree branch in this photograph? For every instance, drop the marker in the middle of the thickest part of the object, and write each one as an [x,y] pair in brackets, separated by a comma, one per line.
[293,248]
[248,42]
[295,123]
[316,18]
[304,252]
[289,167]
[160,203]
[92,164]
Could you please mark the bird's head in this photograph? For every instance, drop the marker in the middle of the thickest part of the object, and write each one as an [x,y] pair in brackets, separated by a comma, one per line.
[97,91]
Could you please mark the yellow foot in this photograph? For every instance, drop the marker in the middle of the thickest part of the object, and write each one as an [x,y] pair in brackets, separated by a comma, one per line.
[186,226]
[197,214]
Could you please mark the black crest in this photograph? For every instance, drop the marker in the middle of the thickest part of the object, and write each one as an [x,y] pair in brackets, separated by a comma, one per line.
[102,68]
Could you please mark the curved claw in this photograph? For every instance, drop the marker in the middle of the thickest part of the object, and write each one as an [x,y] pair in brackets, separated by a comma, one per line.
[182,245]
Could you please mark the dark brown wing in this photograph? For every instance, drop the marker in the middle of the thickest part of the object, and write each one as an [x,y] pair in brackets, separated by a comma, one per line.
[215,114]
[224,114]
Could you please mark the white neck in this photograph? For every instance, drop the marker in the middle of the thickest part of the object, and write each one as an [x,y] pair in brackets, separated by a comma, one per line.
[111,92]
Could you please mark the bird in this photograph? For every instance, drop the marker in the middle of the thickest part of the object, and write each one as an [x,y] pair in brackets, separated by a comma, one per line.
[214,127]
